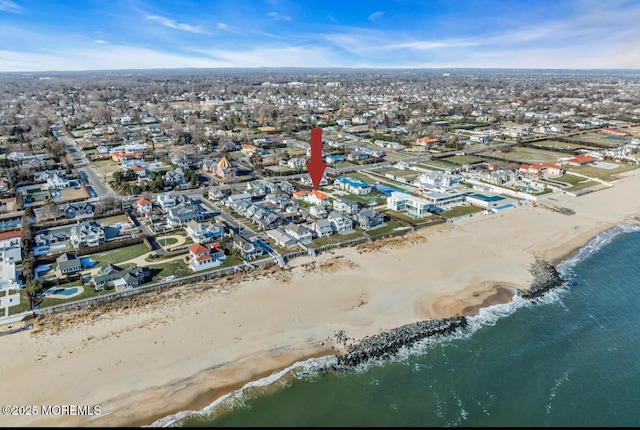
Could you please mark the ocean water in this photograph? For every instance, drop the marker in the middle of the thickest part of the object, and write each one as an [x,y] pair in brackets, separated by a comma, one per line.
[571,358]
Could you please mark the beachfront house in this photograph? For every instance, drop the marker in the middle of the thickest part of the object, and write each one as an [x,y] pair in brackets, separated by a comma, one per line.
[68,264]
[281,238]
[369,218]
[112,276]
[202,257]
[345,206]
[322,228]
[341,224]
[248,250]
[182,213]
[298,232]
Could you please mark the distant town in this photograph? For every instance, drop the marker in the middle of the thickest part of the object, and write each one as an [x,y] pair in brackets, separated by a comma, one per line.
[113,183]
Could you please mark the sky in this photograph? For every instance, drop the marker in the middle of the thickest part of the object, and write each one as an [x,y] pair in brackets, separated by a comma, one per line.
[56,35]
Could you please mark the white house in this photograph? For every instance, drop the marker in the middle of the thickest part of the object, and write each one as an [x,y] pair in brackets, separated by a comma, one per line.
[202,257]
[415,206]
[201,233]
[340,223]
[322,227]
[144,206]
[166,201]
[87,233]
[296,163]
[56,181]
[299,233]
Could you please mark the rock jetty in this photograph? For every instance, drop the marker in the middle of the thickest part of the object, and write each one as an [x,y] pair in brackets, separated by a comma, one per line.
[389,342]
[545,278]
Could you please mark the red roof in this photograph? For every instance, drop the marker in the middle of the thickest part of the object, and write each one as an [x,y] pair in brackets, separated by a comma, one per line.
[197,248]
[143,201]
[137,168]
[216,246]
[10,234]
[204,257]
[582,159]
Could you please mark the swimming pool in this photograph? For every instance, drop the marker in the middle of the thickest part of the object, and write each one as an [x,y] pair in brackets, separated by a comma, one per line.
[65,291]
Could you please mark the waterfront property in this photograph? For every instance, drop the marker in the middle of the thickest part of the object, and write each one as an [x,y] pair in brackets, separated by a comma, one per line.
[416,207]
[483,201]
[202,257]
[200,232]
[68,264]
[87,233]
[111,275]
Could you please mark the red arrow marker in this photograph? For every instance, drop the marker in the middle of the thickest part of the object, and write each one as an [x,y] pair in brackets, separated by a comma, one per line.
[315,165]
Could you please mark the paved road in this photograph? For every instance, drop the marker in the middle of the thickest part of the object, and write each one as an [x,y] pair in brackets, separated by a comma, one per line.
[82,165]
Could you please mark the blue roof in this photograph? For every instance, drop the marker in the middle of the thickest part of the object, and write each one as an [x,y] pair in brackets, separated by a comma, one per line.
[353,182]
[487,198]
[507,206]
[386,190]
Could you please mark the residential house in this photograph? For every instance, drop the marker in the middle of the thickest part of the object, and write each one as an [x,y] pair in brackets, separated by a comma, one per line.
[46,239]
[233,199]
[317,211]
[581,160]
[415,206]
[201,233]
[345,206]
[166,201]
[9,274]
[281,238]
[248,250]
[143,206]
[209,166]
[369,218]
[353,186]
[78,210]
[427,141]
[322,227]
[296,163]
[299,233]
[184,212]
[341,224]
[68,264]
[215,194]
[87,233]
[112,276]
[174,177]
[56,181]
[333,159]
[202,257]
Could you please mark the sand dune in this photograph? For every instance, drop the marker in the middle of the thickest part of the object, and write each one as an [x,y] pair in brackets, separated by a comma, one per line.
[157,354]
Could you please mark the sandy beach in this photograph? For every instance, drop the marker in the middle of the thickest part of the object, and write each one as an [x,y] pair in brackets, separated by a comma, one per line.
[157,354]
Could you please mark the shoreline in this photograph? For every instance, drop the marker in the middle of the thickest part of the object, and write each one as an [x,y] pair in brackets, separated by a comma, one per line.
[163,354]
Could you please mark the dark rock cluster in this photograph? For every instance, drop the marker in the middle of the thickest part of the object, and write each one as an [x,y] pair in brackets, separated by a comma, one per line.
[545,278]
[389,342]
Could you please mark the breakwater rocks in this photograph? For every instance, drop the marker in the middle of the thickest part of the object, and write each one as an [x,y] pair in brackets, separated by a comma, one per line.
[387,343]
[545,278]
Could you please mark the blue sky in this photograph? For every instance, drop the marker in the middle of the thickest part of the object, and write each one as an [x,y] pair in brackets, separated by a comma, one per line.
[52,35]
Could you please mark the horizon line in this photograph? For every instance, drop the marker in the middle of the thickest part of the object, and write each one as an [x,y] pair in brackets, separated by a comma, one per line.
[257,68]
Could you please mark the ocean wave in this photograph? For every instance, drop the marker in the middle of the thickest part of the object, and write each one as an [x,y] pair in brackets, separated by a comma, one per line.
[306,370]
[566,266]
[487,316]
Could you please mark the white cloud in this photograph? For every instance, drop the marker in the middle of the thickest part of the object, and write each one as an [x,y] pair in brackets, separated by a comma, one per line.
[172,24]
[376,16]
[221,26]
[279,16]
[100,41]
[426,45]
[10,6]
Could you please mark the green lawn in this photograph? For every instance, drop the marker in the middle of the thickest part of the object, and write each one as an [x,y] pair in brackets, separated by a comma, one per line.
[165,241]
[569,179]
[406,218]
[88,292]
[389,225]
[600,173]
[583,185]
[114,219]
[102,163]
[336,238]
[464,159]
[170,268]
[527,155]
[460,211]
[559,145]
[424,166]
[119,255]
[367,198]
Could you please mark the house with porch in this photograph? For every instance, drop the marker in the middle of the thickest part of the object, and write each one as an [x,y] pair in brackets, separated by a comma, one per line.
[341,224]
[248,250]
[112,276]
[345,206]
[202,257]
[299,233]
[78,210]
[182,213]
[144,206]
[201,232]
[57,181]
[68,264]
[87,233]
[322,227]
[369,218]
